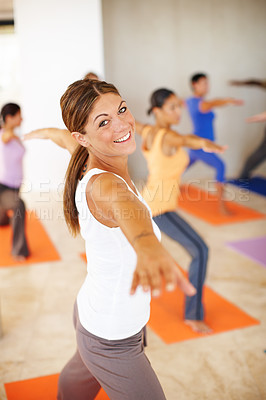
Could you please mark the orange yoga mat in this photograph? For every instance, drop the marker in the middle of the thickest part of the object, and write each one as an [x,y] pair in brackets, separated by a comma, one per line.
[167,313]
[43,388]
[83,256]
[41,247]
[204,205]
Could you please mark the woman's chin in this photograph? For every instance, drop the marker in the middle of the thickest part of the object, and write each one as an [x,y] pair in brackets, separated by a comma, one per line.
[127,147]
[132,148]
[176,122]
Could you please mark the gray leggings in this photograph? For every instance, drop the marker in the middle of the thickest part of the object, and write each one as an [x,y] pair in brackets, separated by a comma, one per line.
[119,366]
[178,229]
[10,200]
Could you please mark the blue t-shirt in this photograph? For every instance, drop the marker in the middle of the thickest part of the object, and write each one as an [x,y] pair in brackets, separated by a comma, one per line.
[202,121]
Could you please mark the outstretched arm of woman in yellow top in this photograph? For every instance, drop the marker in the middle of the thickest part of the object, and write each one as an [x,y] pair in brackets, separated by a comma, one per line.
[139,127]
[61,137]
[175,139]
[195,142]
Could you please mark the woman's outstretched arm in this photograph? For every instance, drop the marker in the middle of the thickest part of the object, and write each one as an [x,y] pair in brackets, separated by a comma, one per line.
[111,201]
[257,118]
[207,105]
[174,139]
[139,127]
[61,137]
[249,82]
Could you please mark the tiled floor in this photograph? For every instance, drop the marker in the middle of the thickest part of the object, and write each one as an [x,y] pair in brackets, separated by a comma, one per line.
[37,301]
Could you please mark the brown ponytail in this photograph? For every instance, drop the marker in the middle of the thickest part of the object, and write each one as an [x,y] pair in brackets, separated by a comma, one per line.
[73,172]
[76,105]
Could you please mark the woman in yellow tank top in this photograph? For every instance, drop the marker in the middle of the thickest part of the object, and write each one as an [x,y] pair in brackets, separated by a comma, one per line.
[167,160]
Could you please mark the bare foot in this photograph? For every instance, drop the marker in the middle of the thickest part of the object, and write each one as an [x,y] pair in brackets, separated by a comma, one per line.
[198,326]
[19,258]
[224,210]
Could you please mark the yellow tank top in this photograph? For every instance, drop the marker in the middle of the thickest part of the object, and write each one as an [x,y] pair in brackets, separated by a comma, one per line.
[162,188]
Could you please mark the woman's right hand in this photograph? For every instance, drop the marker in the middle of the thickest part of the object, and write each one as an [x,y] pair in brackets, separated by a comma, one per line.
[154,266]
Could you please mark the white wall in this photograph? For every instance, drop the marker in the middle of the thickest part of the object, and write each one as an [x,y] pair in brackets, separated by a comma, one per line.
[9,69]
[154,43]
[59,41]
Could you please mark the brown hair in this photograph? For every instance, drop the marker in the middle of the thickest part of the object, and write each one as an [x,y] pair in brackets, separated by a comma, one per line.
[76,104]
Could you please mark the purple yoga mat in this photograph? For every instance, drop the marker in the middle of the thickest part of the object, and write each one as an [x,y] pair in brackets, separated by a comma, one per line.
[252,248]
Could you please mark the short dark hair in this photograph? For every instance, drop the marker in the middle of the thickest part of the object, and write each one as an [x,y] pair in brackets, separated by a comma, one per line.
[158,98]
[91,75]
[196,77]
[9,109]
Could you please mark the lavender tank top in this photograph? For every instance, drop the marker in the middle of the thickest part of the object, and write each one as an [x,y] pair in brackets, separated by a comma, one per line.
[11,156]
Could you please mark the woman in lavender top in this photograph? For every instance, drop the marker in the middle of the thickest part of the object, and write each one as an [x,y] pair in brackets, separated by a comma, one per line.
[11,174]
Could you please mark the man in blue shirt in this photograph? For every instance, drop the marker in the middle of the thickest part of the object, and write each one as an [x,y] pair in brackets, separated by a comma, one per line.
[202,116]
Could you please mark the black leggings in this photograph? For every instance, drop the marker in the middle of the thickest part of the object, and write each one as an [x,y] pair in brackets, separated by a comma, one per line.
[255,159]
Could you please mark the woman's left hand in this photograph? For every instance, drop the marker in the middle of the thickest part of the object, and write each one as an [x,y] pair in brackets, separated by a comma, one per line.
[211,147]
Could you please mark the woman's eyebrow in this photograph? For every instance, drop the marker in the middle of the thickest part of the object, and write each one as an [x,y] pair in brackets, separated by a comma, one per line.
[100,115]
[123,101]
[106,115]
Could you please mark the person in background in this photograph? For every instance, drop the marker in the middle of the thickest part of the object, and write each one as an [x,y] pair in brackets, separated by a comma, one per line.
[249,82]
[164,151]
[11,174]
[126,260]
[202,116]
[259,154]
[91,75]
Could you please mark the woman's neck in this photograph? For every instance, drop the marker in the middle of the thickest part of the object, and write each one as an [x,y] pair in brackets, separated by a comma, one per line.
[117,165]
[160,124]
[9,129]
[7,126]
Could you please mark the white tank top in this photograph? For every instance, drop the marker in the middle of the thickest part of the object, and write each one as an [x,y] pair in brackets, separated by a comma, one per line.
[105,306]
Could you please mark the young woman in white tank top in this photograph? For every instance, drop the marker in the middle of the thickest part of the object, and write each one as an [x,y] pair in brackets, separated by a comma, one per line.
[126,261]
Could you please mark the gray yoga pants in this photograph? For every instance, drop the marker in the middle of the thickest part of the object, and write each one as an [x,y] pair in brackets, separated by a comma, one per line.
[119,366]
[10,200]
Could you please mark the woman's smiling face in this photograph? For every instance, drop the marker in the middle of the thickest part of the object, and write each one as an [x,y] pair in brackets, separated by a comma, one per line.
[110,130]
